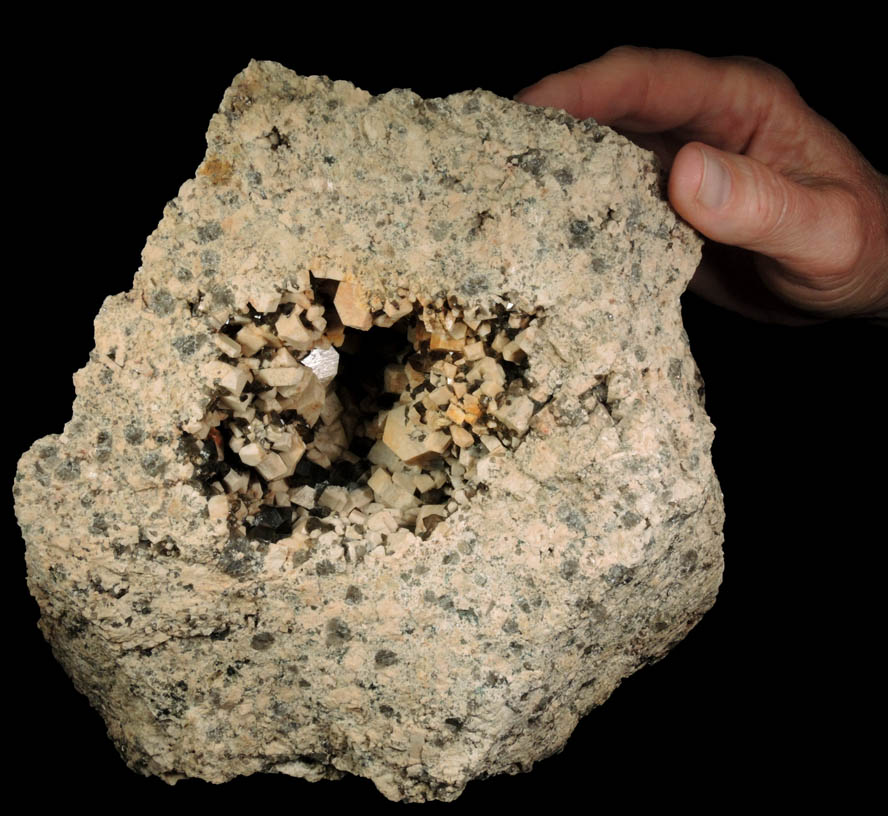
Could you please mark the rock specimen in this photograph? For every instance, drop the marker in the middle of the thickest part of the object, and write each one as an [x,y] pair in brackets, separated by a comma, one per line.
[393,461]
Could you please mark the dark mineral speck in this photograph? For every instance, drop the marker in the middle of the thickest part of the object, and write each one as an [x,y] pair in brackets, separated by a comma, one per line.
[385,657]
[153,463]
[134,434]
[68,470]
[162,303]
[262,641]
[211,231]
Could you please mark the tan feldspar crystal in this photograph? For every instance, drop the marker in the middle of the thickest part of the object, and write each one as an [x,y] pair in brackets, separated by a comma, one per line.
[399,419]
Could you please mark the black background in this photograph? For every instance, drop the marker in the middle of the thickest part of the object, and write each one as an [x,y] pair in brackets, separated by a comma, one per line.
[771,697]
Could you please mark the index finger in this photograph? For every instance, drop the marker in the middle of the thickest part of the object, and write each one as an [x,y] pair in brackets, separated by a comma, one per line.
[722,101]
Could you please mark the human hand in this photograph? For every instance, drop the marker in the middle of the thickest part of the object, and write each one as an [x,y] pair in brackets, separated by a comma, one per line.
[752,167]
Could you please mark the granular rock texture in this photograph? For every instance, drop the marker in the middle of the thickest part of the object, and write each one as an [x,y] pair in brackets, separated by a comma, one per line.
[393,461]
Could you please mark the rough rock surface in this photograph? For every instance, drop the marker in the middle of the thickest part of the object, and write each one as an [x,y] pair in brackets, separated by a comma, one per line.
[561,563]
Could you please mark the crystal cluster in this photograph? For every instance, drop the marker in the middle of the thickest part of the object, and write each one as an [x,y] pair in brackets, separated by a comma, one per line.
[335,421]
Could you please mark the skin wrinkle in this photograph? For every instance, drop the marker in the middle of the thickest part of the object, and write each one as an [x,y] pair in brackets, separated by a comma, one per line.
[646,92]
[780,220]
[756,144]
[786,149]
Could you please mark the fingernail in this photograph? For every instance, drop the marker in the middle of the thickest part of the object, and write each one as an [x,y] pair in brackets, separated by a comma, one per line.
[715,188]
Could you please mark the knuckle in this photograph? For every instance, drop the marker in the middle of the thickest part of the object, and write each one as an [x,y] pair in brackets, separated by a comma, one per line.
[629,52]
[625,49]
[766,72]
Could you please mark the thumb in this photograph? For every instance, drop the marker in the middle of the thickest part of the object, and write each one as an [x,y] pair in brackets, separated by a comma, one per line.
[740,201]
